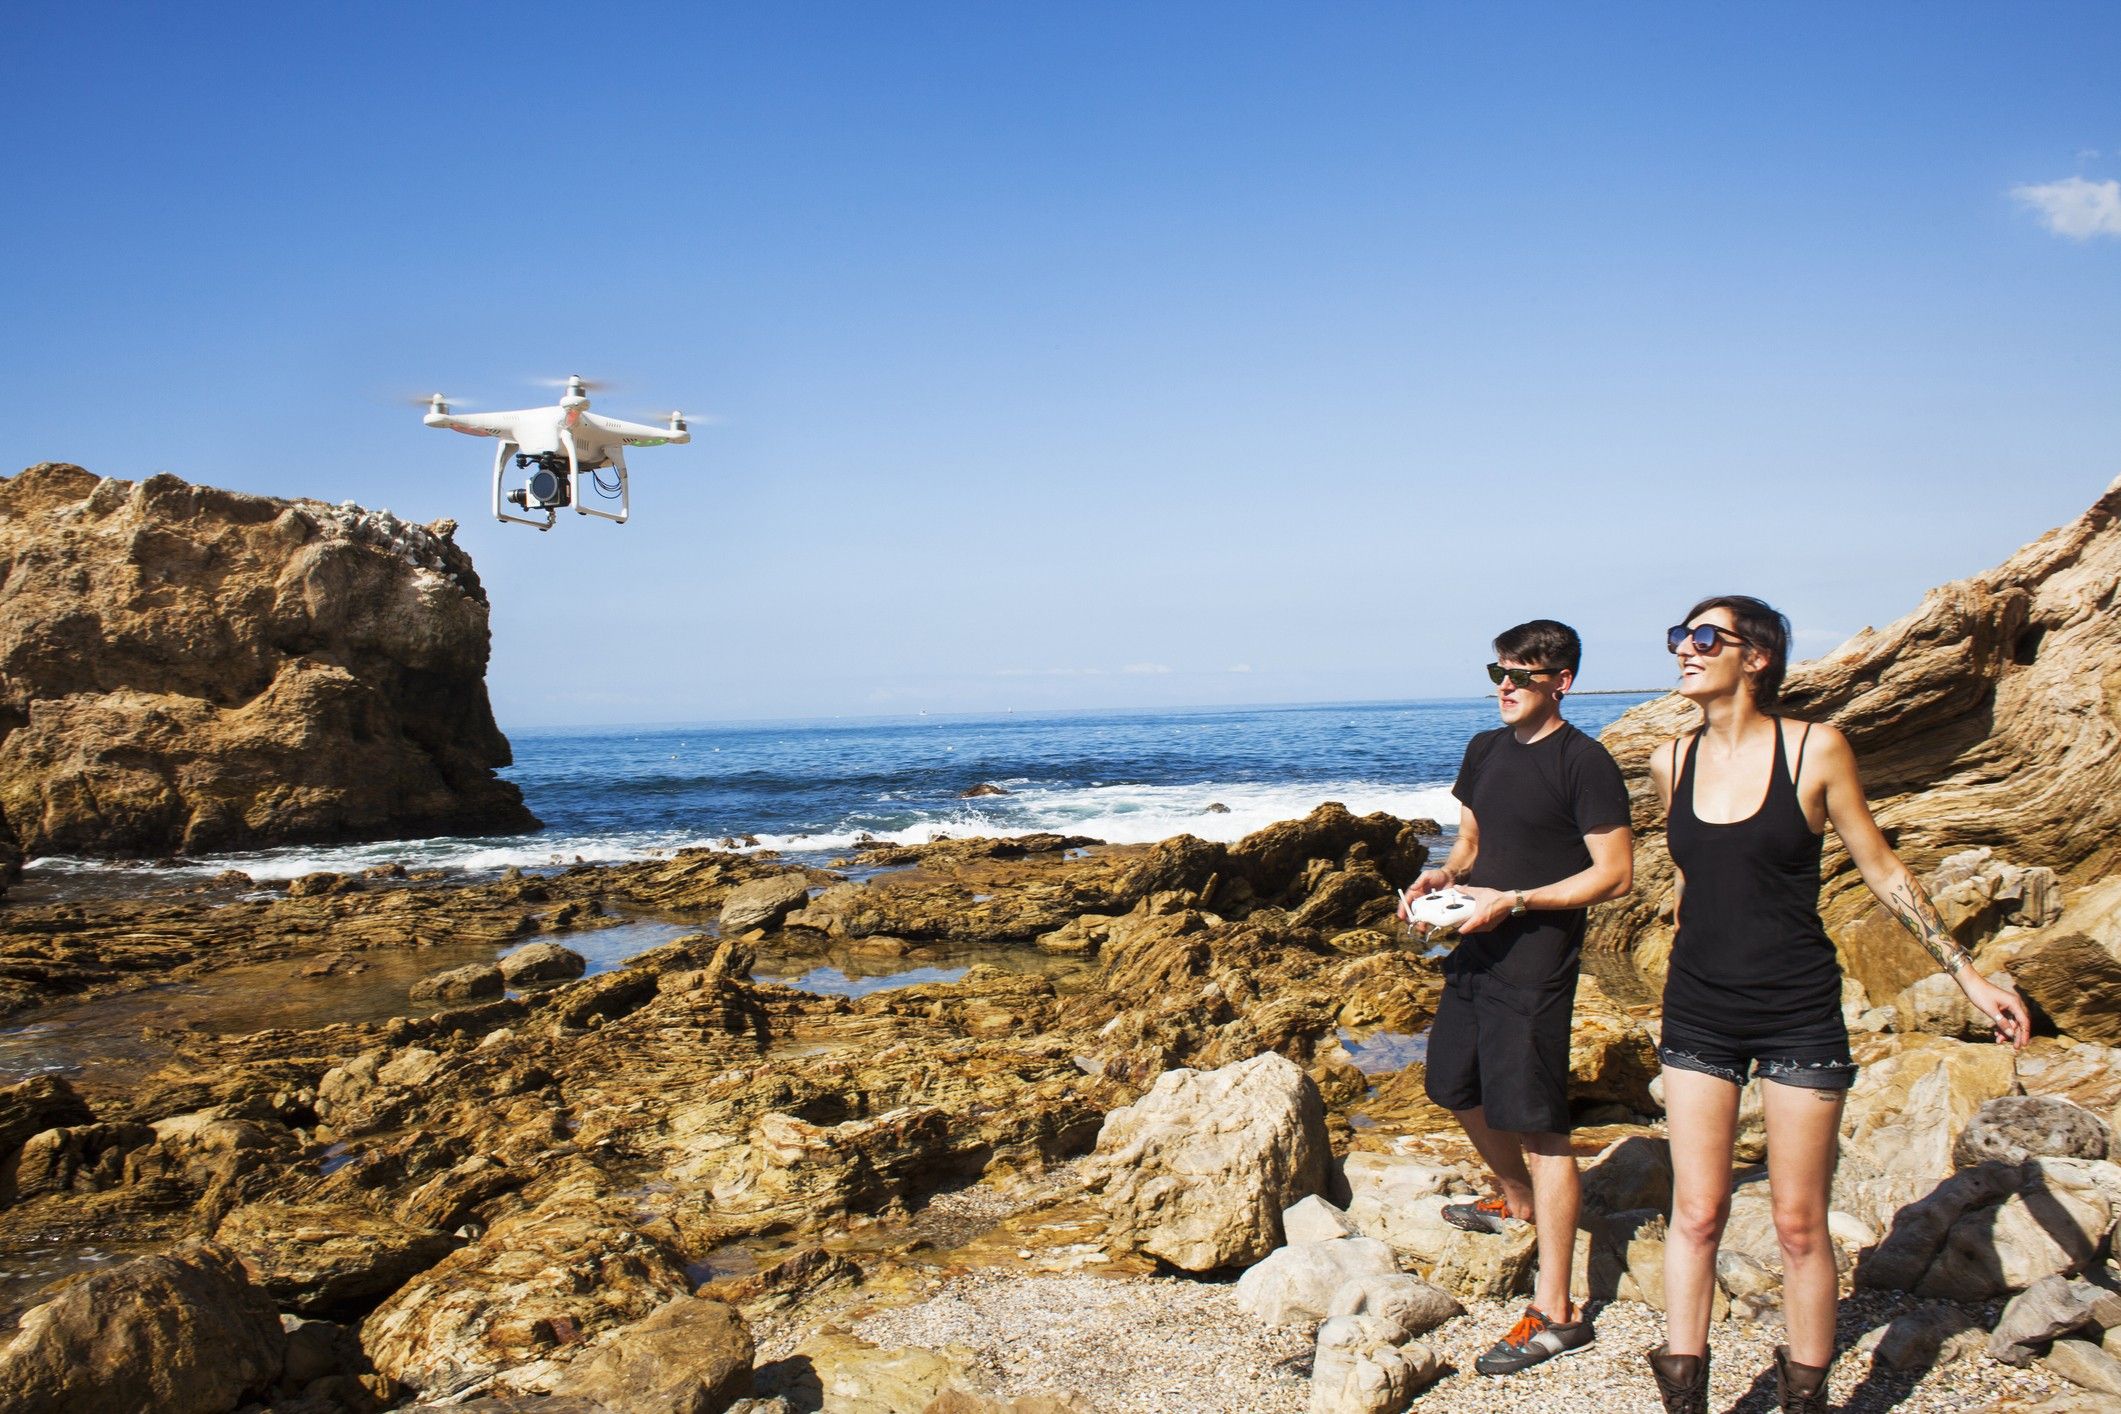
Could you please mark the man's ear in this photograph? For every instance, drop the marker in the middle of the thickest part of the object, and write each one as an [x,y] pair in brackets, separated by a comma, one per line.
[1566,681]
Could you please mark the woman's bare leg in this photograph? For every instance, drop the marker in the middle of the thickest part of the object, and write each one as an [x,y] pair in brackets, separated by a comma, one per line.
[1804,1143]
[1701,1116]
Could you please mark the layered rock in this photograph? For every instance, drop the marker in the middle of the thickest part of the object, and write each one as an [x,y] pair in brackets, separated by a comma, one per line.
[1983,718]
[190,669]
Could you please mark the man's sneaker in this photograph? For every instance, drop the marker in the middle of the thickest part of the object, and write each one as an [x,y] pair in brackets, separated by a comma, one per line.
[1534,1339]
[1488,1215]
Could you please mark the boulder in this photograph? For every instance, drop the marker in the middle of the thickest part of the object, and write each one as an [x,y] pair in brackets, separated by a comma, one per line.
[1635,1172]
[763,903]
[2015,1128]
[1906,1110]
[1479,1265]
[1415,1306]
[2085,1365]
[328,1260]
[34,1105]
[1936,1005]
[2075,978]
[1931,1334]
[1386,1200]
[185,669]
[2048,1309]
[178,1333]
[471,982]
[540,1279]
[690,1356]
[1361,1367]
[1296,1285]
[542,962]
[1199,1170]
[1612,1057]
[1315,1220]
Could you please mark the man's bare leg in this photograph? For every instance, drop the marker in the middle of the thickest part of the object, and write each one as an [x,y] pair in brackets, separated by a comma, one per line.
[1503,1153]
[1557,1194]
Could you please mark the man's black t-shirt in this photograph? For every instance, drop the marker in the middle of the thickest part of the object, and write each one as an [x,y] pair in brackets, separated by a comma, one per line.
[1533,805]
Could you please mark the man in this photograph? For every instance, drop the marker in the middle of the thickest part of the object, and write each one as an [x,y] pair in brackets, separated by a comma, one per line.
[1542,834]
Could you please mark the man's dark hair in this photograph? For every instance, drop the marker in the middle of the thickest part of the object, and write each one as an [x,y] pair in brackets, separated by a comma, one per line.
[1763,626]
[1542,643]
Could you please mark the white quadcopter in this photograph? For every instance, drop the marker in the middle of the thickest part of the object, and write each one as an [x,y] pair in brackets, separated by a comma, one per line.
[560,442]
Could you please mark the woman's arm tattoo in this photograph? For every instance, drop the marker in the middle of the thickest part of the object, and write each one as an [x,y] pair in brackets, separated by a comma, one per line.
[1908,903]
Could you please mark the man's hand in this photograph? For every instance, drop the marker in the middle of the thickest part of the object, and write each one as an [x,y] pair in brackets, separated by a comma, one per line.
[1428,883]
[1490,907]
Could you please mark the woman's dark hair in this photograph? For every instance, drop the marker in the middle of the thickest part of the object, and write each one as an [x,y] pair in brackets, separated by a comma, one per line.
[1763,626]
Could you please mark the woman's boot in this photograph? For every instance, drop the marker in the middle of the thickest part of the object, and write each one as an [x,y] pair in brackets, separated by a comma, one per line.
[1683,1380]
[1802,1387]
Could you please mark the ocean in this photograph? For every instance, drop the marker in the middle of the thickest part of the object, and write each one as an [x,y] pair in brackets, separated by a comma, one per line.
[814,788]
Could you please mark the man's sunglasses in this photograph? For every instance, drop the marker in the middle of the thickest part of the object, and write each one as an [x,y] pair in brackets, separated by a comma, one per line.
[1519,677]
[1706,639]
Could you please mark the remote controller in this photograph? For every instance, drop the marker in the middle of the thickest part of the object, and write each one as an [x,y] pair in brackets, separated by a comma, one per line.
[1447,908]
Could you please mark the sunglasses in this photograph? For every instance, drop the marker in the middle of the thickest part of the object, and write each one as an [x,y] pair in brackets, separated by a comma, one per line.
[1519,677]
[1707,639]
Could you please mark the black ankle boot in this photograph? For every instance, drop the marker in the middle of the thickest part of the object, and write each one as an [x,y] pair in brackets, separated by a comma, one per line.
[1683,1380]
[1802,1387]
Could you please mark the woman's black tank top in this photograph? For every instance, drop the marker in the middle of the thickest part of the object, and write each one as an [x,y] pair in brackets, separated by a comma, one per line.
[1751,955]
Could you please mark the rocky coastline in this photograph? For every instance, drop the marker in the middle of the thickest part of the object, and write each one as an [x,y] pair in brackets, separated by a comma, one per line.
[1148,1134]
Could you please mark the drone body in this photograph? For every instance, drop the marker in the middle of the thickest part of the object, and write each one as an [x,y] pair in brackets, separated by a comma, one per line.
[557,445]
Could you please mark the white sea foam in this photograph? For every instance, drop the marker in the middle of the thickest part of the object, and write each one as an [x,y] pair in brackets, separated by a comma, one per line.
[1117,814]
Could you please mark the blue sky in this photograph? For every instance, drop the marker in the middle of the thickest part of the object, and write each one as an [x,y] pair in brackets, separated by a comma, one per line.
[1098,354]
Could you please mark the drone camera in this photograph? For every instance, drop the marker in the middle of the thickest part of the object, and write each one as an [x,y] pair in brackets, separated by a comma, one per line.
[547,487]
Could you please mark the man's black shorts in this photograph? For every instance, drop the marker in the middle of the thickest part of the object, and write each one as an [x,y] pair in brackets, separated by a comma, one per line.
[1504,1049]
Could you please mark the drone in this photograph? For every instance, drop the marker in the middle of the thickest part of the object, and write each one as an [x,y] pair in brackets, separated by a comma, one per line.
[556,445]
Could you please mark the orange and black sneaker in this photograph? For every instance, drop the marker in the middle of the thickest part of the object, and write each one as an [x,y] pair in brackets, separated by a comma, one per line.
[1487,1215]
[1534,1339]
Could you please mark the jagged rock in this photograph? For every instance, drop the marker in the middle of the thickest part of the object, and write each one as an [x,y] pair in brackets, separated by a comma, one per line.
[467,983]
[1995,1229]
[1198,1170]
[1295,1285]
[2052,1307]
[1635,1172]
[178,1333]
[190,669]
[1313,1219]
[34,1105]
[540,1279]
[1974,717]
[852,1376]
[984,788]
[763,903]
[1479,1265]
[2085,1365]
[542,962]
[2074,1070]
[1415,1306]
[1928,1335]
[1936,1005]
[795,1172]
[1361,1367]
[691,1356]
[1386,1200]
[2015,1128]
[1906,1110]
[2075,979]
[1612,1058]
[328,1259]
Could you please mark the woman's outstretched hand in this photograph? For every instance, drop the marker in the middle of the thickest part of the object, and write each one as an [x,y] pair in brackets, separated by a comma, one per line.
[2004,1008]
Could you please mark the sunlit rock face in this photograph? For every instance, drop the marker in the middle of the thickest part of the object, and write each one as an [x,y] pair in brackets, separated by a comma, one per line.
[185,668]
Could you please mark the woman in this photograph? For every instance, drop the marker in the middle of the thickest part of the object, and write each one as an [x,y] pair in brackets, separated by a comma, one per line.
[1754,986]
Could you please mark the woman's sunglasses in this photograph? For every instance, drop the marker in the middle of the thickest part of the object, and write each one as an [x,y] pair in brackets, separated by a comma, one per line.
[1519,677]
[1707,638]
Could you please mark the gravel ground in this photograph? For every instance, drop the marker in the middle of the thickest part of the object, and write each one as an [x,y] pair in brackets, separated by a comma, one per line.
[1168,1346]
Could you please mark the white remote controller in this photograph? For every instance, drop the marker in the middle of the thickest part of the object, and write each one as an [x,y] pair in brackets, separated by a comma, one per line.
[1446,908]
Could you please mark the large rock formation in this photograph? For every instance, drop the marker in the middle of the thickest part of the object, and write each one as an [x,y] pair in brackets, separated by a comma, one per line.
[183,668]
[1991,715]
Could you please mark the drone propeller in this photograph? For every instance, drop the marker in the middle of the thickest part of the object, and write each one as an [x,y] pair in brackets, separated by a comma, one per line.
[589,385]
